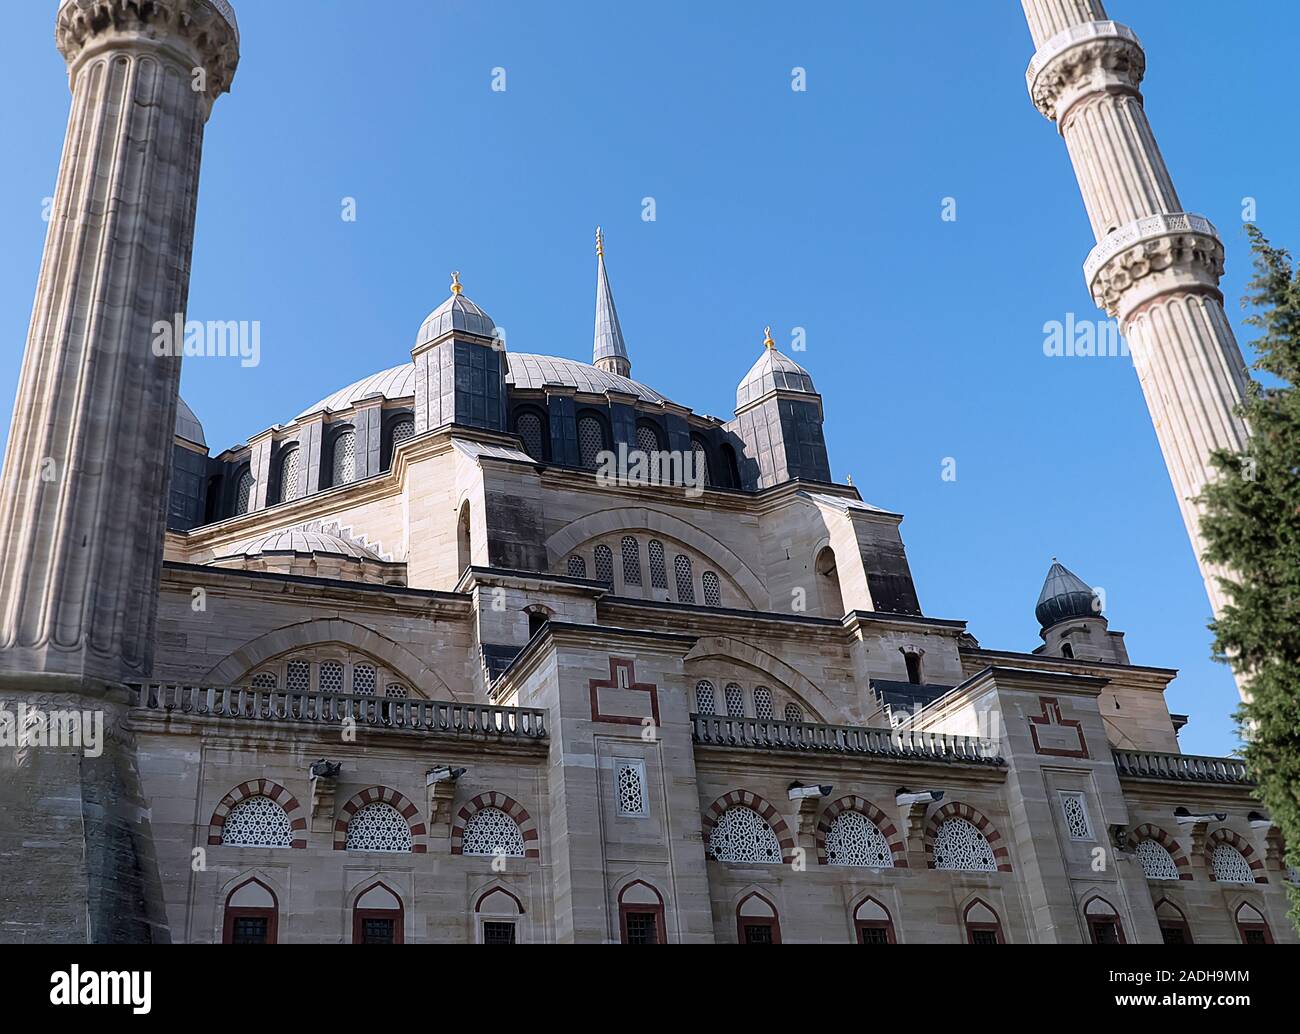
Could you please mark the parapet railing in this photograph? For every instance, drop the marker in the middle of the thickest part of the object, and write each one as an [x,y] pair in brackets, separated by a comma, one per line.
[320,708]
[1193,768]
[769,734]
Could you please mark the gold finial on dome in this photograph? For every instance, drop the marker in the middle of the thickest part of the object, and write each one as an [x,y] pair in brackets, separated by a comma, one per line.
[767,338]
[455,284]
[600,243]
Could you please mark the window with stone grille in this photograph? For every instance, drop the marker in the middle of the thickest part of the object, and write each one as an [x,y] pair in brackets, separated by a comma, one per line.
[647,441]
[1230,865]
[658,571]
[363,679]
[704,697]
[257,822]
[701,458]
[264,680]
[629,783]
[854,839]
[396,691]
[591,441]
[1076,815]
[735,700]
[631,561]
[331,677]
[1157,862]
[528,425]
[743,835]
[712,589]
[378,827]
[244,494]
[402,430]
[604,565]
[577,567]
[959,846]
[763,704]
[490,831]
[792,713]
[290,469]
[298,676]
[685,579]
[345,459]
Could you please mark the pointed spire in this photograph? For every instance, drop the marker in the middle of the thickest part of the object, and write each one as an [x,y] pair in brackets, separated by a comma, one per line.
[609,353]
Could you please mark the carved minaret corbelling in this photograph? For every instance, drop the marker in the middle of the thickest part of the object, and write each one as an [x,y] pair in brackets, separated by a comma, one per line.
[82,500]
[1155,267]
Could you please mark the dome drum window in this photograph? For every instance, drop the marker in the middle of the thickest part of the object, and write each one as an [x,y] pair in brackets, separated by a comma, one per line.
[244,493]
[531,428]
[291,475]
[345,459]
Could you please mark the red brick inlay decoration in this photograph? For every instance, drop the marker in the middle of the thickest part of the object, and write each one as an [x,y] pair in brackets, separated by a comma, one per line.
[1055,736]
[1227,836]
[622,677]
[743,798]
[1147,831]
[260,788]
[958,810]
[373,795]
[527,826]
[883,822]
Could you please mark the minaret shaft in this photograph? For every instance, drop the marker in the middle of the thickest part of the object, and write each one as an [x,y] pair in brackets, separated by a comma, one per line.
[1155,267]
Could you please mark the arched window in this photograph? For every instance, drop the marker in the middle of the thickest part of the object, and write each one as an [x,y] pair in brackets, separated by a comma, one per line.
[712,589]
[658,571]
[854,839]
[345,459]
[743,835]
[641,914]
[763,704]
[792,713]
[1173,924]
[537,620]
[700,453]
[685,579]
[704,697]
[378,827]
[730,466]
[257,822]
[291,475]
[648,438]
[913,661]
[1230,865]
[377,917]
[251,915]
[490,831]
[631,561]
[1067,650]
[982,924]
[757,921]
[591,440]
[872,921]
[401,431]
[1252,926]
[735,699]
[363,679]
[1103,922]
[464,543]
[498,913]
[396,691]
[297,677]
[577,567]
[959,846]
[604,565]
[263,680]
[331,677]
[531,428]
[244,493]
[1157,863]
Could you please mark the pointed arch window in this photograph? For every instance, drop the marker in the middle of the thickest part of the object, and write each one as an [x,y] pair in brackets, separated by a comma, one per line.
[244,493]
[291,475]
[1173,924]
[345,459]
[378,917]
[1252,926]
[757,921]
[251,914]
[658,569]
[982,924]
[873,922]
[631,561]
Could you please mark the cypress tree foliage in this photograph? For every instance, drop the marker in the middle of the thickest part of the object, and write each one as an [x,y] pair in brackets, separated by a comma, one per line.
[1251,525]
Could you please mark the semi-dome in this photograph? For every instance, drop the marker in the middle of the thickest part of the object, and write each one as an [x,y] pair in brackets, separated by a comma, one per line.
[187,424]
[1065,595]
[773,371]
[457,313]
[305,541]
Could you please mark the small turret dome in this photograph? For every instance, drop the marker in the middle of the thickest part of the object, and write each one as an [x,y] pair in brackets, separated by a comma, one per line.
[187,424]
[457,313]
[773,371]
[1065,595]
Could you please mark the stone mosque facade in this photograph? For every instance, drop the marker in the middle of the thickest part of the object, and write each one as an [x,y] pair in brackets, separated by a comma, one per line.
[405,668]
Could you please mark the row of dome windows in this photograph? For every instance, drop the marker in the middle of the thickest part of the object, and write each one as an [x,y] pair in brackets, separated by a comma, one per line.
[630,550]
[733,698]
[300,675]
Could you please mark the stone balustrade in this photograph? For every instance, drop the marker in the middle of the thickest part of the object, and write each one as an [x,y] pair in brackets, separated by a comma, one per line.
[1141,764]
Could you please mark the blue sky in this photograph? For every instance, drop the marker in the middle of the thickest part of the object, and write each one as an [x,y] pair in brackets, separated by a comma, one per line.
[818,209]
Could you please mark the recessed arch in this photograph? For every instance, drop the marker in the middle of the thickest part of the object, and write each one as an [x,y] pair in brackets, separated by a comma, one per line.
[959,810]
[872,922]
[378,914]
[1225,836]
[251,914]
[1149,831]
[641,913]
[746,799]
[381,795]
[499,801]
[982,923]
[818,705]
[757,919]
[259,788]
[897,848]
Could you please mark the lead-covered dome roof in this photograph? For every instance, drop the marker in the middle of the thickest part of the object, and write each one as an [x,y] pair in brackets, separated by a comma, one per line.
[772,371]
[1065,595]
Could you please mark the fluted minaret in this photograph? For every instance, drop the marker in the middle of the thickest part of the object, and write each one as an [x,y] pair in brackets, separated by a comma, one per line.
[1155,267]
[609,352]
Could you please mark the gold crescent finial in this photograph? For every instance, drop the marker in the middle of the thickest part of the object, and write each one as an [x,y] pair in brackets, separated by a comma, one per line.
[767,338]
[455,283]
[600,243]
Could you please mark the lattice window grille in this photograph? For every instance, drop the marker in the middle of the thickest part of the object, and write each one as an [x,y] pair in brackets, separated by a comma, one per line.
[378,827]
[257,822]
[604,565]
[658,571]
[345,458]
[763,704]
[290,488]
[244,494]
[685,579]
[298,676]
[631,561]
[396,691]
[735,698]
[792,713]
[712,589]
[630,784]
[647,441]
[854,839]
[743,835]
[959,846]
[591,441]
[490,831]
[529,429]
[1230,865]
[1157,862]
[704,697]
[577,567]
[264,680]
[701,471]
[331,677]
[1076,816]
[403,431]
[363,680]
